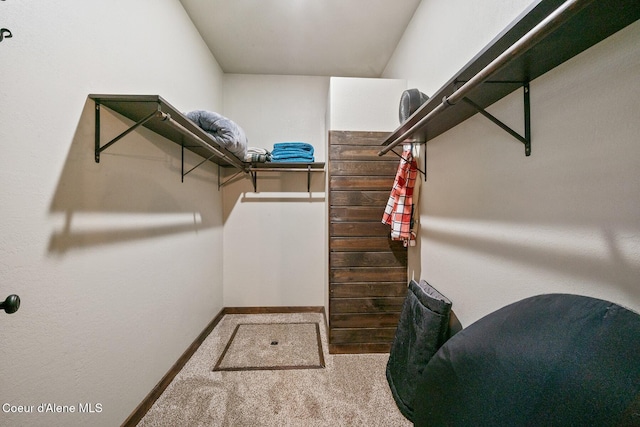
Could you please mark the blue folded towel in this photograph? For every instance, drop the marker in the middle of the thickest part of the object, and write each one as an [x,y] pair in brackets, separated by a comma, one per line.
[293,160]
[293,146]
[292,152]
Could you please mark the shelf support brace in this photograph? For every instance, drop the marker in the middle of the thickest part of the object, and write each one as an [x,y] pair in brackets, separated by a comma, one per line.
[254,174]
[254,180]
[196,166]
[526,139]
[231,178]
[99,149]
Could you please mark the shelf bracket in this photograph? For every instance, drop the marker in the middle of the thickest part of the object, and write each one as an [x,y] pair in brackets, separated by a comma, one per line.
[254,180]
[254,174]
[220,182]
[99,149]
[196,166]
[526,139]
[228,180]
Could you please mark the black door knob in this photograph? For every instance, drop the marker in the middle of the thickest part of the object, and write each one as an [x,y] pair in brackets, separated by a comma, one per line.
[11,304]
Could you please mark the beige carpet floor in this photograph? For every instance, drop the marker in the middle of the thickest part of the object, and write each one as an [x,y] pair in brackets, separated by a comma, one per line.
[351,390]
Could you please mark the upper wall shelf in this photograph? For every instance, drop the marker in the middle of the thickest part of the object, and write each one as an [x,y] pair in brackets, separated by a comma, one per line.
[156,114]
[507,63]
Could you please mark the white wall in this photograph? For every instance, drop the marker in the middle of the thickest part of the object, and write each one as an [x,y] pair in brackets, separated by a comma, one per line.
[365,104]
[118,264]
[274,240]
[444,35]
[498,226]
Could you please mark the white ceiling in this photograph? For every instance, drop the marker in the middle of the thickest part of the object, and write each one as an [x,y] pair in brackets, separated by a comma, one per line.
[347,38]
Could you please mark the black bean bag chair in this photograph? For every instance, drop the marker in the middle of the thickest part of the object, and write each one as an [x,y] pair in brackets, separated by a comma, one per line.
[548,360]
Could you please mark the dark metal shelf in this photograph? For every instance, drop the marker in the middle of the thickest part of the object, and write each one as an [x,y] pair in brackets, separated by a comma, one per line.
[167,121]
[287,167]
[156,114]
[588,24]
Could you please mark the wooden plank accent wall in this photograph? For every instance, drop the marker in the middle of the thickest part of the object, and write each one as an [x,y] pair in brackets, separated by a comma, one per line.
[367,270]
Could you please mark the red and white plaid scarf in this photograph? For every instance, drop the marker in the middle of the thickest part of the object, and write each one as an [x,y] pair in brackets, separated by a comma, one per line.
[398,211]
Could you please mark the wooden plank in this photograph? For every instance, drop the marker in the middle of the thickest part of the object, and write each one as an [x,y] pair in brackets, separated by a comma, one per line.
[361,183]
[361,153]
[364,213]
[365,244]
[365,305]
[361,335]
[367,274]
[357,137]
[363,229]
[359,348]
[368,259]
[368,289]
[359,198]
[377,320]
[348,167]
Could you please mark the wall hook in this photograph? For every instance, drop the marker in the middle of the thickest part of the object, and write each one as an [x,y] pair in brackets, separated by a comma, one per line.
[11,304]
[5,33]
